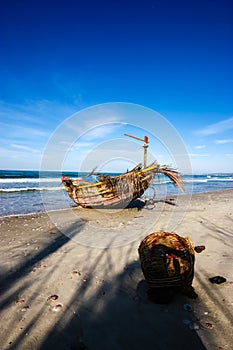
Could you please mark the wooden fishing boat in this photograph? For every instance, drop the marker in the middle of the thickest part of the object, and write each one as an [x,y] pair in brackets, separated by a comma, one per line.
[117,191]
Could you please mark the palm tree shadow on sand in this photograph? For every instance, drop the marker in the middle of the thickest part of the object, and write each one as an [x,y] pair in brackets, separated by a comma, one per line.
[119,316]
[114,313]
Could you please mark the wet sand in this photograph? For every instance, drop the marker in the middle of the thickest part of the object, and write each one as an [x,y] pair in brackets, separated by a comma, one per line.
[71,279]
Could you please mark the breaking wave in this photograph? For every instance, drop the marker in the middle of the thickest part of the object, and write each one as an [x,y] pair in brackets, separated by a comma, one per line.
[28,189]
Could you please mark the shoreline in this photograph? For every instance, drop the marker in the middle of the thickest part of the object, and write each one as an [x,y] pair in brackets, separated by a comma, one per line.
[77,207]
[59,290]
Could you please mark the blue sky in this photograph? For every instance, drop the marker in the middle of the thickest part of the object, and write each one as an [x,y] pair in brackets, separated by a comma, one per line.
[173,57]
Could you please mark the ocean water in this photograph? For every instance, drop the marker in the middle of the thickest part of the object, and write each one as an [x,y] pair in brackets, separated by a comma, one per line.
[23,192]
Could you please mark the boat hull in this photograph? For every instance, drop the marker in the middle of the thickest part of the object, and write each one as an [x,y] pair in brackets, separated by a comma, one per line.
[114,192]
[118,191]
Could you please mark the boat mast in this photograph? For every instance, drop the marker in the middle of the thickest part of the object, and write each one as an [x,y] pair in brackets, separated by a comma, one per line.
[145,146]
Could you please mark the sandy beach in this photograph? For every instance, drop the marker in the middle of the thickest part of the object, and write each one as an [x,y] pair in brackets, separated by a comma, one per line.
[72,279]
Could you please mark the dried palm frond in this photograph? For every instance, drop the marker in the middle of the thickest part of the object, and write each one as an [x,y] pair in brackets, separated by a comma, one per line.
[173,175]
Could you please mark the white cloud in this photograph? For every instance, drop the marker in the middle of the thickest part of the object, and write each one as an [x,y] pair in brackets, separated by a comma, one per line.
[64,143]
[200,146]
[22,131]
[216,128]
[101,131]
[223,141]
[35,111]
[86,123]
[84,145]
[198,155]
[15,113]
[18,153]
[25,148]
[191,155]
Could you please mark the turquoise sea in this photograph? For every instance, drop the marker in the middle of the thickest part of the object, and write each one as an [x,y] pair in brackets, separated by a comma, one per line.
[23,192]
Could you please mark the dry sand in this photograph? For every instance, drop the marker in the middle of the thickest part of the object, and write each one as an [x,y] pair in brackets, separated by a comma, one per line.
[72,279]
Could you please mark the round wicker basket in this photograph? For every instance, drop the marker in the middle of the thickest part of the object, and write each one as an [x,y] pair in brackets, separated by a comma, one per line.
[167,261]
